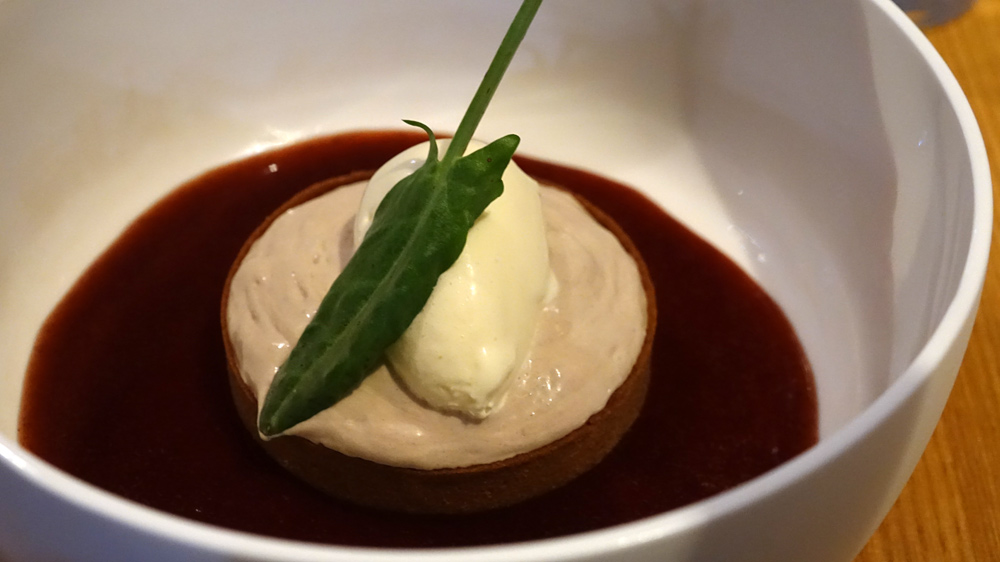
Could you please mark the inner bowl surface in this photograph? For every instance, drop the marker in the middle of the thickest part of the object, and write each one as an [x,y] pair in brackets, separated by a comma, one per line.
[825,148]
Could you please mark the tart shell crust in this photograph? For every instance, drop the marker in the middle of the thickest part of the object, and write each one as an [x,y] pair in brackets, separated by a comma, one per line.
[450,490]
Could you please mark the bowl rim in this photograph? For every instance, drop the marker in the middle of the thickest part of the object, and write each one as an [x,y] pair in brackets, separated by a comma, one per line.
[212,539]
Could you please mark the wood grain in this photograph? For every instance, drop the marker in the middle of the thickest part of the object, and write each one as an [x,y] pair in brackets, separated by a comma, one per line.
[950,508]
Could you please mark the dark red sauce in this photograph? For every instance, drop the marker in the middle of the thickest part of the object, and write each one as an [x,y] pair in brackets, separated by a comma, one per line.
[127,385]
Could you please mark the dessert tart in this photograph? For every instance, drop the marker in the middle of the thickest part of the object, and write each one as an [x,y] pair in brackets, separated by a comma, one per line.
[538,447]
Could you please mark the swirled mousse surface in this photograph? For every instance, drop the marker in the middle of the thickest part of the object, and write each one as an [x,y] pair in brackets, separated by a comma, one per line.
[584,346]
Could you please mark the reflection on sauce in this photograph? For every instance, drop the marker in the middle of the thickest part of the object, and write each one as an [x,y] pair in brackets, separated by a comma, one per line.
[127,386]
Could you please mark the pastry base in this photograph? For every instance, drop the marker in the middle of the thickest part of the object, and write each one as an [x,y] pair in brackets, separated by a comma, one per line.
[451,490]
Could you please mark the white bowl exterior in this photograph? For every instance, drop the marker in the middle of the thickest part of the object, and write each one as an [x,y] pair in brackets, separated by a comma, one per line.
[118,109]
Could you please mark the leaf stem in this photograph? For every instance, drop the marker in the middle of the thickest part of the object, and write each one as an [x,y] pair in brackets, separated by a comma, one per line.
[473,115]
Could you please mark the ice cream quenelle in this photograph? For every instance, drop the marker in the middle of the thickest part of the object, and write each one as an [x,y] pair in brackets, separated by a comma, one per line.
[459,353]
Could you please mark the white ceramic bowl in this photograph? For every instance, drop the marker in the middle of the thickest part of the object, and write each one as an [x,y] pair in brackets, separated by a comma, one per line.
[823,145]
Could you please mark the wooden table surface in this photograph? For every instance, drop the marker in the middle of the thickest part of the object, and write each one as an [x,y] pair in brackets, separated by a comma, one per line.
[950,508]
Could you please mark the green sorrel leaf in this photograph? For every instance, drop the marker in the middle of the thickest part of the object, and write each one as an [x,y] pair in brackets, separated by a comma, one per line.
[417,233]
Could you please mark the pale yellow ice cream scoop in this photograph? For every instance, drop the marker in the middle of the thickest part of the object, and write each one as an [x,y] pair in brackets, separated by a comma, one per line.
[477,326]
